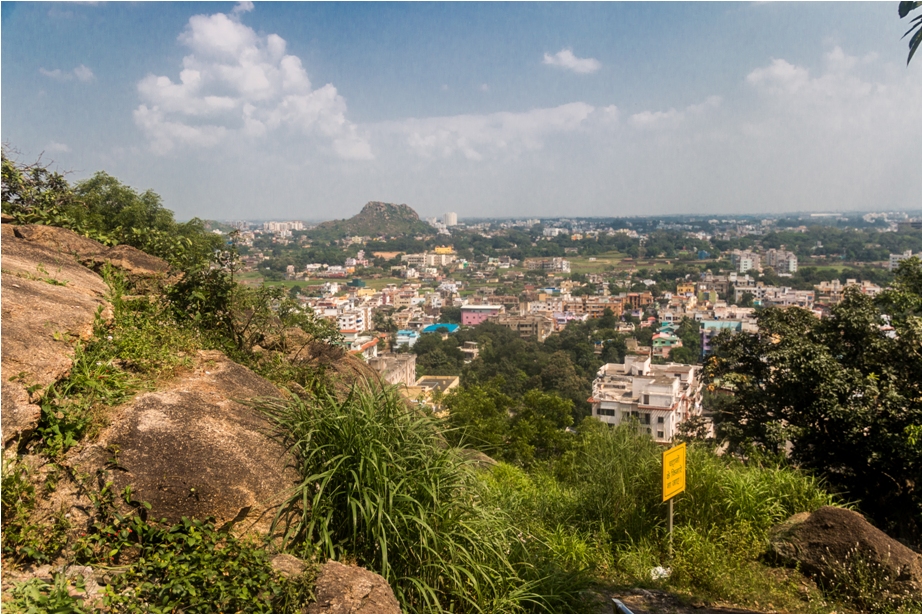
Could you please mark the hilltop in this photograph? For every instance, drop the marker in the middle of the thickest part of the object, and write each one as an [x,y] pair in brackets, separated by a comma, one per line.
[374,220]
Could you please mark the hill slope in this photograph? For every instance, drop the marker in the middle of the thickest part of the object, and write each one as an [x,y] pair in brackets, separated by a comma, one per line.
[374,220]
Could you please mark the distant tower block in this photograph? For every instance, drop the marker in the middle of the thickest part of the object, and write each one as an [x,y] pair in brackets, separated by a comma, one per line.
[450,219]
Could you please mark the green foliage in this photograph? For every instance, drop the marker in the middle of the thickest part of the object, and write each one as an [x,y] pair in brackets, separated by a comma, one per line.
[842,391]
[521,431]
[905,8]
[190,566]
[38,597]
[869,586]
[141,344]
[235,318]
[106,210]
[26,537]
[380,485]
[598,508]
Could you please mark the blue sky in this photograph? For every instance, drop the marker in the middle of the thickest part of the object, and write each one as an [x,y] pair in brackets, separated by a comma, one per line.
[309,110]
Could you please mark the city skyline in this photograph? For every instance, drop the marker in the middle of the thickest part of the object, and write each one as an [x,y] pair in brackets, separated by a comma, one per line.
[308,111]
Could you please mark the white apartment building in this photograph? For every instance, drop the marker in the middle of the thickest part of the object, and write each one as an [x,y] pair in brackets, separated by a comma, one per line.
[746,261]
[896,259]
[450,219]
[781,260]
[656,398]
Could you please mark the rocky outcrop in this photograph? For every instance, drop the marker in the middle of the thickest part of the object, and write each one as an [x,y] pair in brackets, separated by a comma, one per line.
[825,542]
[193,449]
[49,300]
[135,264]
[342,589]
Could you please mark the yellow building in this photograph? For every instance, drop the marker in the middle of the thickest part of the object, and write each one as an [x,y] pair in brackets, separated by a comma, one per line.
[444,250]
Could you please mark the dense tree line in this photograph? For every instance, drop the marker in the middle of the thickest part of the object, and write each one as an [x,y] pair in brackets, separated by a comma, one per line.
[842,394]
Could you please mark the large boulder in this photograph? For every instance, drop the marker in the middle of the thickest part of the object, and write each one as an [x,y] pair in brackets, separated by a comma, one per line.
[138,266]
[192,448]
[825,542]
[343,589]
[49,300]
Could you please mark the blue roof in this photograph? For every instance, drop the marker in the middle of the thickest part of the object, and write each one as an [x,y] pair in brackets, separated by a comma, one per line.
[434,328]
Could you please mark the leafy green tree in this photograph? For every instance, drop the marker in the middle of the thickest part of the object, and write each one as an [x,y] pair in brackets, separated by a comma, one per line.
[523,431]
[684,355]
[746,300]
[479,417]
[842,394]
[608,319]
[450,315]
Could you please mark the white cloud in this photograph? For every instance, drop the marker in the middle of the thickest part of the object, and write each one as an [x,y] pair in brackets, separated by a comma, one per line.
[566,59]
[84,74]
[81,73]
[479,137]
[242,7]
[484,87]
[661,120]
[55,147]
[236,84]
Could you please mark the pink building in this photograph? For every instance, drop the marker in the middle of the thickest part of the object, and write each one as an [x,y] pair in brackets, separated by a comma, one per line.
[472,315]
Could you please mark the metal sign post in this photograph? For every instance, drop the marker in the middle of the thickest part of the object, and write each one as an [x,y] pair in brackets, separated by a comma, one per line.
[673,479]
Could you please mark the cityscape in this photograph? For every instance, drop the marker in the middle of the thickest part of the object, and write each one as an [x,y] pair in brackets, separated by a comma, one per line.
[461,308]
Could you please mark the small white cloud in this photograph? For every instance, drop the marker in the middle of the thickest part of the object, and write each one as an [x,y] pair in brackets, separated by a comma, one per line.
[444,87]
[778,76]
[566,59]
[57,74]
[484,87]
[81,73]
[661,120]
[656,120]
[55,147]
[84,74]
[242,7]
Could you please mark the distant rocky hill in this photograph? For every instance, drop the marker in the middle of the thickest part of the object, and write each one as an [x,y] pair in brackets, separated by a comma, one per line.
[374,220]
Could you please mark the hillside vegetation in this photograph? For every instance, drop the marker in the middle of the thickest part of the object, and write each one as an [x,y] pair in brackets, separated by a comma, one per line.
[376,219]
[380,483]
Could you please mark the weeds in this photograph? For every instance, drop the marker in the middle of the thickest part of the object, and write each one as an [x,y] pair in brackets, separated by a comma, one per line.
[37,596]
[381,486]
[869,586]
[25,537]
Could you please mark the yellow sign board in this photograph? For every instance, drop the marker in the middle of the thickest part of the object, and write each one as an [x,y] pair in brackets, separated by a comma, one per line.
[673,471]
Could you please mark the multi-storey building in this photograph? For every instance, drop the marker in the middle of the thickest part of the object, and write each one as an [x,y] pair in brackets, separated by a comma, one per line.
[745,260]
[781,260]
[557,265]
[896,259]
[527,326]
[472,315]
[654,398]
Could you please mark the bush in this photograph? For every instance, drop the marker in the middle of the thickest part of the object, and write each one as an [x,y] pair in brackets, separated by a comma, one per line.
[380,485]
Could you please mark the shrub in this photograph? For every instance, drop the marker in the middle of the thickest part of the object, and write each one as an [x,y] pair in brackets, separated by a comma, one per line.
[381,485]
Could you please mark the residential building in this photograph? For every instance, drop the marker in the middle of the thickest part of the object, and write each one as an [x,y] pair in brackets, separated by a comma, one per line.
[450,219]
[745,260]
[654,398]
[472,315]
[831,292]
[527,326]
[557,265]
[407,338]
[896,259]
[396,369]
[781,260]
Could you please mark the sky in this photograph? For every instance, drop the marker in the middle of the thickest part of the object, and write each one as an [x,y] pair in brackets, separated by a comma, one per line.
[309,110]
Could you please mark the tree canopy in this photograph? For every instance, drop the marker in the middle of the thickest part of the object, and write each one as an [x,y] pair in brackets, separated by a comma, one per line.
[842,395]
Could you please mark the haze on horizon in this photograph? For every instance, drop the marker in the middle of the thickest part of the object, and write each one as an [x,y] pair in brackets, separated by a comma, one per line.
[309,110]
